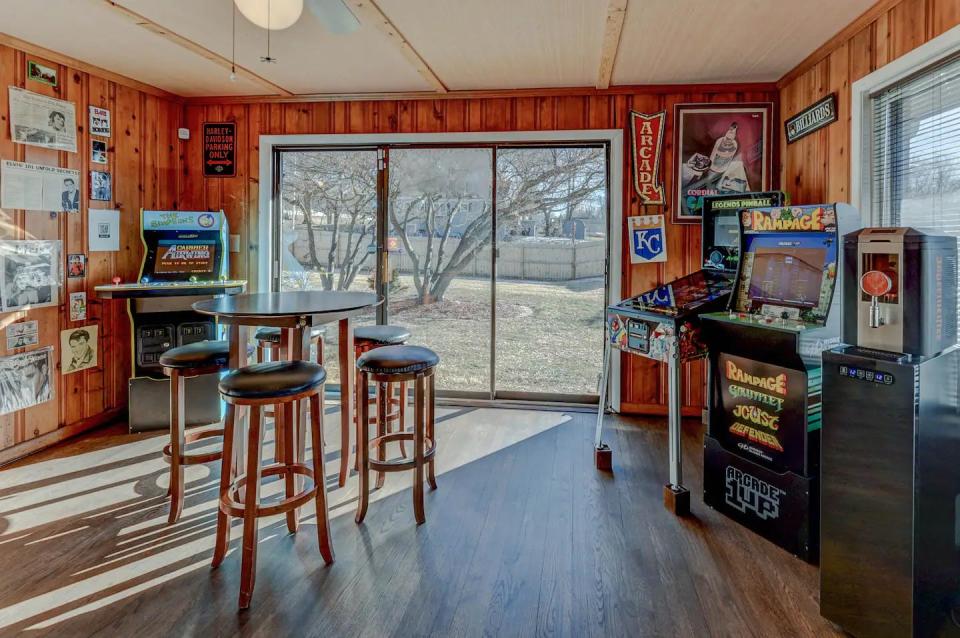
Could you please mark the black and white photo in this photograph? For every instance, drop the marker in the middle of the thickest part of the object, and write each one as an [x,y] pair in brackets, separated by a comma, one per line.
[23,334]
[25,379]
[44,121]
[70,195]
[29,274]
[100,188]
[98,151]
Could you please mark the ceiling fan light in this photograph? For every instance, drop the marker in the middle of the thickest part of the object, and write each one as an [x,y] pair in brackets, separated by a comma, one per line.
[282,13]
[334,15]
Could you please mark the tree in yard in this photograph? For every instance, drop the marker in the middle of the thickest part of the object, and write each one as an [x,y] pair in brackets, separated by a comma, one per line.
[332,191]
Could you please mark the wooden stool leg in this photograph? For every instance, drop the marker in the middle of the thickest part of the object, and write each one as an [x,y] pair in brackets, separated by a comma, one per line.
[403,415]
[226,477]
[285,441]
[344,446]
[359,390]
[177,444]
[248,563]
[431,430]
[363,452]
[320,479]
[383,399]
[419,400]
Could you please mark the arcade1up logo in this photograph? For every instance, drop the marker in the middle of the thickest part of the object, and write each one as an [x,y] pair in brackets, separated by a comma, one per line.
[748,494]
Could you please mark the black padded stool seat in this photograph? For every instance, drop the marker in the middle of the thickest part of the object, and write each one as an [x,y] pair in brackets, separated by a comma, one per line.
[202,354]
[381,335]
[272,334]
[273,379]
[397,360]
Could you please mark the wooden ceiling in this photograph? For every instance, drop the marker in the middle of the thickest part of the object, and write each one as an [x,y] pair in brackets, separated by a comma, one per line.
[185,46]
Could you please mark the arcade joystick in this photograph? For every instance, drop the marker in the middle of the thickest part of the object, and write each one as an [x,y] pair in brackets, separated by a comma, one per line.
[116,280]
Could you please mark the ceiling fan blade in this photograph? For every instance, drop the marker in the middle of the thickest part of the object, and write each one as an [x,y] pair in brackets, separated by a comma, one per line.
[334,15]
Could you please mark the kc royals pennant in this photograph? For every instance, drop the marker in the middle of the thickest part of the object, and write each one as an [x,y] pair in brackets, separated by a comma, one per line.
[647,143]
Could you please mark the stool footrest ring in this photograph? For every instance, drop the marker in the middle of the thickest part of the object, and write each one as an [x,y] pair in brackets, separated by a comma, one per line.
[230,502]
[196,458]
[404,462]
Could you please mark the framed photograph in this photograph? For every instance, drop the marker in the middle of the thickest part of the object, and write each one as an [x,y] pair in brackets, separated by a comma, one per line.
[26,379]
[41,73]
[76,265]
[78,349]
[98,151]
[29,274]
[719,149]
[101,189]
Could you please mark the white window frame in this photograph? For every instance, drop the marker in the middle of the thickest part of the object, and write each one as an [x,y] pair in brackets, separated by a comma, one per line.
[926,55]
[613,137]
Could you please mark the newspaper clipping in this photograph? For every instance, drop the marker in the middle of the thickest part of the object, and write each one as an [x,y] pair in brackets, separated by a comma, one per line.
[29,274]
[44,121]
[38,187]
[25,379]
[23,334]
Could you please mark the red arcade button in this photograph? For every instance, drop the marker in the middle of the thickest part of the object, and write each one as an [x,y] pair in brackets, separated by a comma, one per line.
[876,283]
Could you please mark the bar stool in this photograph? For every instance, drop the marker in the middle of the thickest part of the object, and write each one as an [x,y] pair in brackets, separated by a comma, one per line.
[181,363]
[365,339]
[279,383]
[392,364]
[268,342]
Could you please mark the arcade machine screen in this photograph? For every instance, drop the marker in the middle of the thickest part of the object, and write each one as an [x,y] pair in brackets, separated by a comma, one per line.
[185,257]
[788,276]
[721,226]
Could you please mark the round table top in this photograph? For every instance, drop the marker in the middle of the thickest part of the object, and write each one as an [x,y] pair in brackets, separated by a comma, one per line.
[288,304]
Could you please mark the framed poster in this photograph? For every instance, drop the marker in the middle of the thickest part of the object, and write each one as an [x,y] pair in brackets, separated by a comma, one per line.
[719,149]
[219,149]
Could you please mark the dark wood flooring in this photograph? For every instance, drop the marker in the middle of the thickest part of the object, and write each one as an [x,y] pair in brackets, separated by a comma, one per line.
[522,538]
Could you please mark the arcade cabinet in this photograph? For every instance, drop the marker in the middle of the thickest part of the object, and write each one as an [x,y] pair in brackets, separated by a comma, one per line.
[762,448]
[185,260]
[662,324]
[890,537]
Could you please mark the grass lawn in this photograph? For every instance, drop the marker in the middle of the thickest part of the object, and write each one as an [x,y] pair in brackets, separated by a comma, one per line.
[549,335]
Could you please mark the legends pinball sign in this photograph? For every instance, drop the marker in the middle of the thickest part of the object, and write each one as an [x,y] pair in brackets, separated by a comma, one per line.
[763,416]
[647,134]
[220,149]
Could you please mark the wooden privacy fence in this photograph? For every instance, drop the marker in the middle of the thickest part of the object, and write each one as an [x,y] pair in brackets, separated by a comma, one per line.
[544,259]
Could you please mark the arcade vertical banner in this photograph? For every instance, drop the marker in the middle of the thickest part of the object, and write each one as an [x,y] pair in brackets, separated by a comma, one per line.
[219,149]
[647,137]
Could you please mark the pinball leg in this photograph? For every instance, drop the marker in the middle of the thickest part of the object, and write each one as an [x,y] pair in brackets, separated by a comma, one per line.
[602,454]
[676,497]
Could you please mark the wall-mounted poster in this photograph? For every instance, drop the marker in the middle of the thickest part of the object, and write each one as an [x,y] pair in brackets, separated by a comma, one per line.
[100,186]
[23,334]
[44,121]
[78,349]
[647,239]
[41,73]
[76,265]
[219,149]
[647,133]
[99,121]
[25,379]
[29,274]
[98,151]
[37,187]
[78,306]
[719,148]
[103,230]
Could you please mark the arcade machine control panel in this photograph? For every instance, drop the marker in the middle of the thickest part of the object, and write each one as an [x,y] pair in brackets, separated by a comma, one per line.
[663,323]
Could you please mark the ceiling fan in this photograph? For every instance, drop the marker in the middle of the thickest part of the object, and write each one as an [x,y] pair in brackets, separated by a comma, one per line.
[275,15]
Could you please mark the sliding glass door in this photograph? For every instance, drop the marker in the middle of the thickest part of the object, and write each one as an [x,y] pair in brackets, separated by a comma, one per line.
[492,255]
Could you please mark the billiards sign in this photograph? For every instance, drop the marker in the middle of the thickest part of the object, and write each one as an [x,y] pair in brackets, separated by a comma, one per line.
[813,118]
[219,149]
[647,239]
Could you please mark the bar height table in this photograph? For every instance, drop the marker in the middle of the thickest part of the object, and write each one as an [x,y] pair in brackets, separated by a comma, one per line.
[295,313]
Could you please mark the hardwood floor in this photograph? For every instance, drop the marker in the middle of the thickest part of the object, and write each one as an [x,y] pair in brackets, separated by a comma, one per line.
[522,538]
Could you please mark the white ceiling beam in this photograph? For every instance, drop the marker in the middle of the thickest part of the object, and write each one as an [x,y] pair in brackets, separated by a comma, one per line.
[188,44]
[369,13]
[613,29]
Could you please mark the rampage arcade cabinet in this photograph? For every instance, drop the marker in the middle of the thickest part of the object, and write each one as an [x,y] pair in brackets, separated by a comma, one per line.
[662,324]
[761,452]
[890,511]
[185,260]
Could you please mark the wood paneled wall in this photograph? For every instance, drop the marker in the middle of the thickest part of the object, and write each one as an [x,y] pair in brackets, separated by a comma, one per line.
[817,167]
[644,385]
[143,159]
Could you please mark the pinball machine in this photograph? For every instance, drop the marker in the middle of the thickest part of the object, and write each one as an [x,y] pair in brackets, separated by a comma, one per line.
[186,259]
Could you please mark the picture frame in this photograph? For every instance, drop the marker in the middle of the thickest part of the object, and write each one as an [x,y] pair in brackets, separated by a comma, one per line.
[722,148]
[41,73]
